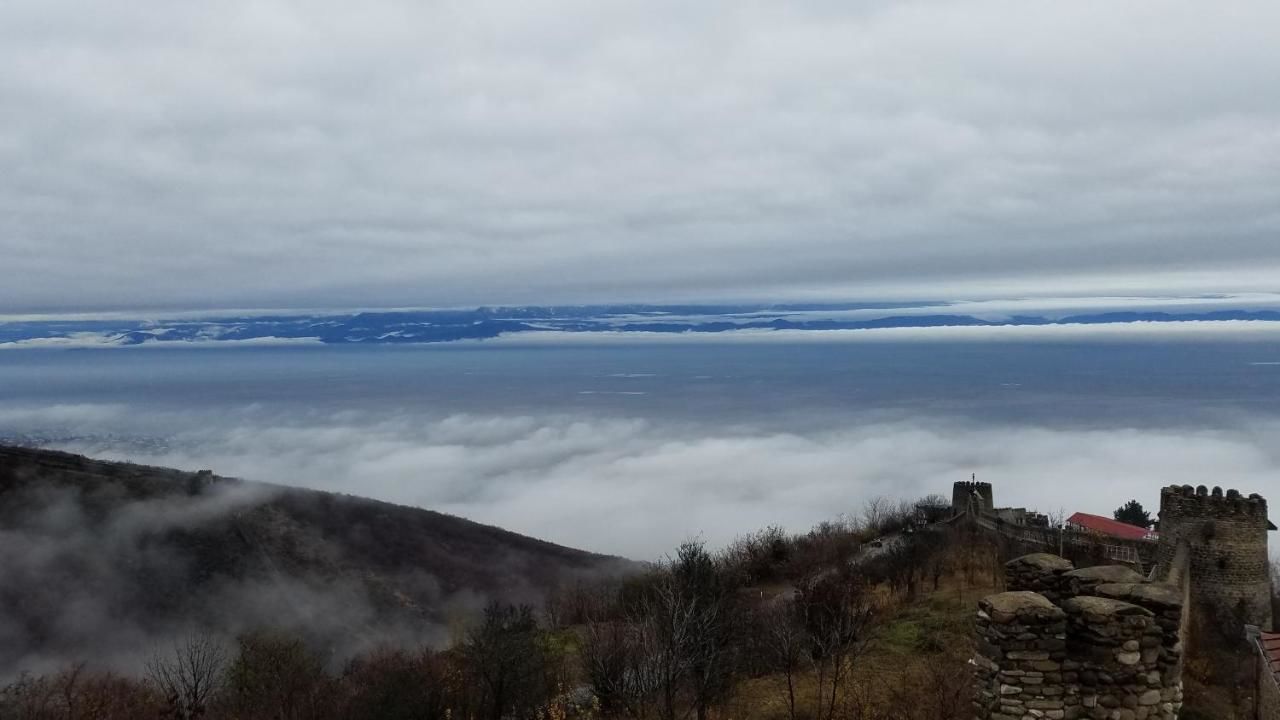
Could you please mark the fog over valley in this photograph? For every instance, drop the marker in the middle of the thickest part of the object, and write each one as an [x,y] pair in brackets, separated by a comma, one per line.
[629,450]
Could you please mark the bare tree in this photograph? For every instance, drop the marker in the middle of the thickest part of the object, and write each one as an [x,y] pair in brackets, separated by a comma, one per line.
[681,648]
[275,675]
[837,610]
[69,680]
[931,508]
[1058,525]
[391,684]
[935,500]
[876,512]
[622,665]
[787,646]
[27,698]
[77,694]
[188,676]
[506,657]
[671,621]
[581,602]
[106,696]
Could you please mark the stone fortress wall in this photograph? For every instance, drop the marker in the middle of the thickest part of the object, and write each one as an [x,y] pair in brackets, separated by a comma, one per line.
[1062,643]
[1106,643]
[1224,539]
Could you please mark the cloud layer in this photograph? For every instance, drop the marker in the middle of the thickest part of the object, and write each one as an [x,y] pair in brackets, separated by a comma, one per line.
[273,153]
[636,487]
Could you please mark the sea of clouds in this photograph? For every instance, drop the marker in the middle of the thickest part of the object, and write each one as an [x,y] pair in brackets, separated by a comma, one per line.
[637,487]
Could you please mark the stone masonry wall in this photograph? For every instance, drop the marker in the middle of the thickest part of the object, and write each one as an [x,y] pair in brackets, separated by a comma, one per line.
[1268,694]
[1063,644]
[1038,572]
[1225,539]
[1019,663]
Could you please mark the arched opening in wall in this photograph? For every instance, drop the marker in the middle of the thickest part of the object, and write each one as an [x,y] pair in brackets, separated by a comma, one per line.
[1222,562]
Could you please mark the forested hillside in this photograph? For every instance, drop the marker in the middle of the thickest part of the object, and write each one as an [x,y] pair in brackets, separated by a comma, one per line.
[101,560]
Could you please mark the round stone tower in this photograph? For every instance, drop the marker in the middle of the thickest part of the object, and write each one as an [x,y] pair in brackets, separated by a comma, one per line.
[965,492]
[1224,550]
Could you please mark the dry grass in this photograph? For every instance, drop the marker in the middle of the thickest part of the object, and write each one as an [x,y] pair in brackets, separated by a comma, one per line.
[914,667]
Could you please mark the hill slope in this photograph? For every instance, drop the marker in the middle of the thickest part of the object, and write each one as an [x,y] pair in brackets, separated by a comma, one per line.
[103,561]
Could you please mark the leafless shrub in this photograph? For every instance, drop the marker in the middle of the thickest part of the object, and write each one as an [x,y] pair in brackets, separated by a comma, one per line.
[761,556]
[582,602]
[787,646]
[397,685]
[622,667]
[506,658]
[836,609]
[676,650]
[828,544]
[276,676]
[188,676]
[77,694]
[30,698]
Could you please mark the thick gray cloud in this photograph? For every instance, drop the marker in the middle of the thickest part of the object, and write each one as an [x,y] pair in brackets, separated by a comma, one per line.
[269,153]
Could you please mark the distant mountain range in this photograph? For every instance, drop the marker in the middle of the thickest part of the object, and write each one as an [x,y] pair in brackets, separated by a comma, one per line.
[107,561]
[437,326]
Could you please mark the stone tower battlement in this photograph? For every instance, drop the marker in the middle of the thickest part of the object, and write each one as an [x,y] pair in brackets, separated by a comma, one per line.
[963,492]
[1220,541]
[1183,501]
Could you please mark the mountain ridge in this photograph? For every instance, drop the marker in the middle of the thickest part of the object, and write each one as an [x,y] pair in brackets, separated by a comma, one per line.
[484,323]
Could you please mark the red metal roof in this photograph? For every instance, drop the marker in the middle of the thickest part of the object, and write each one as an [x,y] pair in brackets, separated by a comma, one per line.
[1270,645]
[1107,526]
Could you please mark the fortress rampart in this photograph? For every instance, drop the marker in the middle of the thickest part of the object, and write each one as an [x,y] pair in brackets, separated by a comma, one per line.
[1105,642]
[1224,539]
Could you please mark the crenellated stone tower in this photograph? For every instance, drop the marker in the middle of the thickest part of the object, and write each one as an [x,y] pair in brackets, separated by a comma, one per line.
[1220,542]
[966,493]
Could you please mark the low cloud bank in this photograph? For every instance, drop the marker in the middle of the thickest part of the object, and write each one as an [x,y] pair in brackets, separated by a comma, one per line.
[636,487]
[1139,331]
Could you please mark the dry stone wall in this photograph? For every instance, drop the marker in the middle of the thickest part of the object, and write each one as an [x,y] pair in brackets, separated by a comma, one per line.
[1064,644]
[1038,572]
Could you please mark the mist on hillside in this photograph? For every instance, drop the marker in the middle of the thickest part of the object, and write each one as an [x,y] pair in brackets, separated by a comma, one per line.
[111,569]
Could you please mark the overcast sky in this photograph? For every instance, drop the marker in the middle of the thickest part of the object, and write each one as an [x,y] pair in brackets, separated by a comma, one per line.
[173,154]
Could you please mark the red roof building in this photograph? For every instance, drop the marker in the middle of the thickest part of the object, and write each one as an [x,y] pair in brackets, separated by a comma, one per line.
[1269,644]
[1107,526]
[1268,673]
